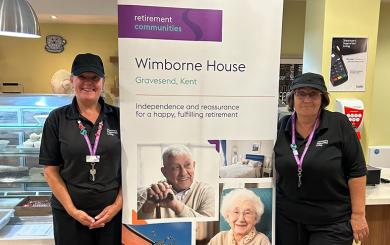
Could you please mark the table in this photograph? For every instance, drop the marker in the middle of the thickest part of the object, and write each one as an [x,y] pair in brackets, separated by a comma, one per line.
[378,211]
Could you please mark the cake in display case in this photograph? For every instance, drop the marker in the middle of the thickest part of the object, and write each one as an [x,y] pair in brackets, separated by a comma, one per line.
[22,117]
[33,206]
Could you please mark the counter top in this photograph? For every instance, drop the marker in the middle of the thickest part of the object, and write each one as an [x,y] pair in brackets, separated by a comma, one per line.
[38,230]
[379,194]
[28,230]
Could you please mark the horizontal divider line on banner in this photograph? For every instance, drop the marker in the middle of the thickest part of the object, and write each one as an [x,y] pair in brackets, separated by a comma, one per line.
[209,95]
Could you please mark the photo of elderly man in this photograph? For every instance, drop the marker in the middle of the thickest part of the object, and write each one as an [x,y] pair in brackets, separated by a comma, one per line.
[179,195]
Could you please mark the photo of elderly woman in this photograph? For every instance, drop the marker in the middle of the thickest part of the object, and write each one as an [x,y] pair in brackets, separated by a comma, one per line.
[243,210]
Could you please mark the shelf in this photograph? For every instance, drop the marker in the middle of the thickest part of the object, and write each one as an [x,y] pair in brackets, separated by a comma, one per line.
[35,176]
[14,151]
[27,179]
[21,194]
[21,127]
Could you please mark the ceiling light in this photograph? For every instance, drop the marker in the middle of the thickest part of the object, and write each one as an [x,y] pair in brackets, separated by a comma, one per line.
[18,19]
[53,17]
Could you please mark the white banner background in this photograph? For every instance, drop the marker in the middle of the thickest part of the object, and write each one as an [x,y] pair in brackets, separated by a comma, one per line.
[251,35]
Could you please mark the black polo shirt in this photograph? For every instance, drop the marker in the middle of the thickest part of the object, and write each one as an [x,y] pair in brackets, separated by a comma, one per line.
[63,145]
[334,156]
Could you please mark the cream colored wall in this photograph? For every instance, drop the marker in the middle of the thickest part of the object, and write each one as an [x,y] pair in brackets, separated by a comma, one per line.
[293,29]
[314,36]
[361,21]
[377,131]
[26,60]
[380,103]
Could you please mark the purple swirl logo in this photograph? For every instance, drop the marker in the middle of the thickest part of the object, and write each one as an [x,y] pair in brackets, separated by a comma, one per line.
[151,22]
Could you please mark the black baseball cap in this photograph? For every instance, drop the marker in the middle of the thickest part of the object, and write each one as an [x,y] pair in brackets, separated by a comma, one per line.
[87,63]
[309,79]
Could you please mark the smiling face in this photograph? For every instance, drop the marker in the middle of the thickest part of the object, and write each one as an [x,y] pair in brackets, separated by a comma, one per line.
[242,218]
[307,101]
[179,171]
[88,87]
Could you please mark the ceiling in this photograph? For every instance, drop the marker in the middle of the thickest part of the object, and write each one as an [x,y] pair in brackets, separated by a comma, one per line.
[82,11]
[76,11]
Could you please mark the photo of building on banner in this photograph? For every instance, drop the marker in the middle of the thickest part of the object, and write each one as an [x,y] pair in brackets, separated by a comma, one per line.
[157,234]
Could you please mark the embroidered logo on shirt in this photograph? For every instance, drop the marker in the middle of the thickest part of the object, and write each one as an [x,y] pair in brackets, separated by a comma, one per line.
[112,132]
[322,142]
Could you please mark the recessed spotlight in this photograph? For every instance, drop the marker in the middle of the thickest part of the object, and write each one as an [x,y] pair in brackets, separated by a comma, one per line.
[53,17]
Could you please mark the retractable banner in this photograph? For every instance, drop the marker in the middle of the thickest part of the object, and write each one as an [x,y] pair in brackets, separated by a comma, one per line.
[198,101]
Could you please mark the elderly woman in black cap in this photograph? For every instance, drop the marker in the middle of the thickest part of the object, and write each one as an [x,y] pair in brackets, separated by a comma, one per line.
[321,171]
[81,151]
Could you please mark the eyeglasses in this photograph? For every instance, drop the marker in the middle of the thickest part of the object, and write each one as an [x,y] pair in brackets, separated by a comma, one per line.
[312,95]
[245,213]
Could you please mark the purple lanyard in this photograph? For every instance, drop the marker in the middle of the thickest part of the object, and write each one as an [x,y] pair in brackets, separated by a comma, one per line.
[83,132]
[293,145]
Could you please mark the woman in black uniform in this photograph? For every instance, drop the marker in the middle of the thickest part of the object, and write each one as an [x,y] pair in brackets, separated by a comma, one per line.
[81,151]
[321,171]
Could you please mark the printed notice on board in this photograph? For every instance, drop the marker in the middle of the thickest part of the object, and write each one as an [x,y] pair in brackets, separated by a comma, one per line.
[348,64]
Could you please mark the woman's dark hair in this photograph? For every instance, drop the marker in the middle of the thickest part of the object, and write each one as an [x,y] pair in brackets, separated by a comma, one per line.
[325,100]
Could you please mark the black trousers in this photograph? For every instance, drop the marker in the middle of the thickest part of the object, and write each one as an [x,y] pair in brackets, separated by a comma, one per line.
[289,232]
[68,231]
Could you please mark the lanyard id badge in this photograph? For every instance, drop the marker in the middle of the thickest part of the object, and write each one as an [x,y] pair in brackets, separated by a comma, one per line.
[294,148]
[92,159]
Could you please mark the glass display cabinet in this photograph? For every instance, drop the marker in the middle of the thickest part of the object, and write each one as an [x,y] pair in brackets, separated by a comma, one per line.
[21,121]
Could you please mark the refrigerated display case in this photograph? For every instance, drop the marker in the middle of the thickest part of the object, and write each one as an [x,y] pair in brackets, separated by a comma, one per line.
[21,121]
